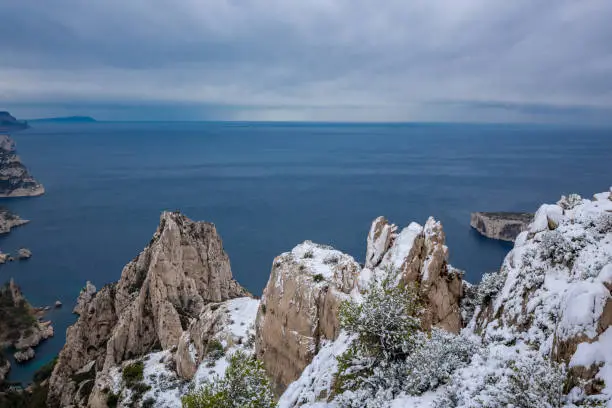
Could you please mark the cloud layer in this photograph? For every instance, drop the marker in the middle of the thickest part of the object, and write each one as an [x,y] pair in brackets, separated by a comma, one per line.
[392,60]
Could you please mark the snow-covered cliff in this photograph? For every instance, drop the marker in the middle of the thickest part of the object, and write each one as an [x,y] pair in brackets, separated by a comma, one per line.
[540,333]
[535,334]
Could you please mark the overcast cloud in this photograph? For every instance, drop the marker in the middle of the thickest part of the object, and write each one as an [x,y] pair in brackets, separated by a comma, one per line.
[330,60]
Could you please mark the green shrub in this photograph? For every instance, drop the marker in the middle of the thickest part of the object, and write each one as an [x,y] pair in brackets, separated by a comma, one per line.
[308,254]
[318,278]
[138,390]
[148,403]
[331,260]
[112,400]
[387,328]
[133,373]
[214,349]
[245,385]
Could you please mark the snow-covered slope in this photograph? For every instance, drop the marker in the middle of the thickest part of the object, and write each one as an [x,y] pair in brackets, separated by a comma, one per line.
[539,336]
[542,329]
[166,387]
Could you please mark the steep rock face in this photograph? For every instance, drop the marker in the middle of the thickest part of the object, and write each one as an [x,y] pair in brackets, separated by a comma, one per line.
[183,268]
[15,180]
[420,256]
[299,308]
[557,291]
[8,220]
[219,322]
[86,342]
[500,225]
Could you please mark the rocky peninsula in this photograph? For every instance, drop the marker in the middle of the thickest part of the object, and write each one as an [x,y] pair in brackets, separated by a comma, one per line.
[9,220]
[533,333]
[8,123]
[15,180]
[500,225]
[20,326]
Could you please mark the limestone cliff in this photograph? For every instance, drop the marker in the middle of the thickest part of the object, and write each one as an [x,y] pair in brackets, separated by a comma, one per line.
[160,292]
[299,308]
[500,225]
[15,180]
[420,255]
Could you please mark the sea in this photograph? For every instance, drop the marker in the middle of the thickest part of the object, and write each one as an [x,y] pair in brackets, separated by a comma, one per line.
[269,187]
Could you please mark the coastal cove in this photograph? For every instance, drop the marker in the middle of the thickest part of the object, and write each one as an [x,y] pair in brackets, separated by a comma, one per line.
[268,187]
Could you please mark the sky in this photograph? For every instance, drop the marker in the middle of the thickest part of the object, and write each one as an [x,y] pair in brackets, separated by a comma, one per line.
[316,60]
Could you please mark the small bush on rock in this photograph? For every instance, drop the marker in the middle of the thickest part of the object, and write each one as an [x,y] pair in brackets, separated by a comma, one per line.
[489,286]
[214,350]
[569,202]
[318,278]
[245,385]
[133,373]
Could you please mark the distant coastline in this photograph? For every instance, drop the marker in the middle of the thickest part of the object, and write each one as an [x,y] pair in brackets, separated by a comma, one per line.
[64,119]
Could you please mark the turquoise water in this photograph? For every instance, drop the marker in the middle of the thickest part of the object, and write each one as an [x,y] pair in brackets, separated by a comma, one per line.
[268,187]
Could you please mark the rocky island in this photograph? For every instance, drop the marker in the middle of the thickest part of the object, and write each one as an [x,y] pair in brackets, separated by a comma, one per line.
[405,330]
[500,225]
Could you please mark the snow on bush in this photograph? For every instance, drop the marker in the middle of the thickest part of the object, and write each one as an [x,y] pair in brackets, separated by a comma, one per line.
[506,377]
[569,202]
[489,286]
[391,355]
[245,385]
[435,360]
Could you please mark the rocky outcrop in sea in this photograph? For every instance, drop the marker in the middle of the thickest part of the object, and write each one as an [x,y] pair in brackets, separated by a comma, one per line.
[500,225]
[15,180]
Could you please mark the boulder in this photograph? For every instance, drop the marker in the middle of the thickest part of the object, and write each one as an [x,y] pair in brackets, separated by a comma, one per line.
[24,253]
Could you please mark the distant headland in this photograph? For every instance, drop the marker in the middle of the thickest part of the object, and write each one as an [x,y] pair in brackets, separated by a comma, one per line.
[8,123]
[64,119]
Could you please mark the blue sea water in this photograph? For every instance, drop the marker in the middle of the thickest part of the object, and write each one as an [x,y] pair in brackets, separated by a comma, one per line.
[268,187]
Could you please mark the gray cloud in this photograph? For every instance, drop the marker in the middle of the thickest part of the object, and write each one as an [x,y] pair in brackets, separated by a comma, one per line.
[456,60]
